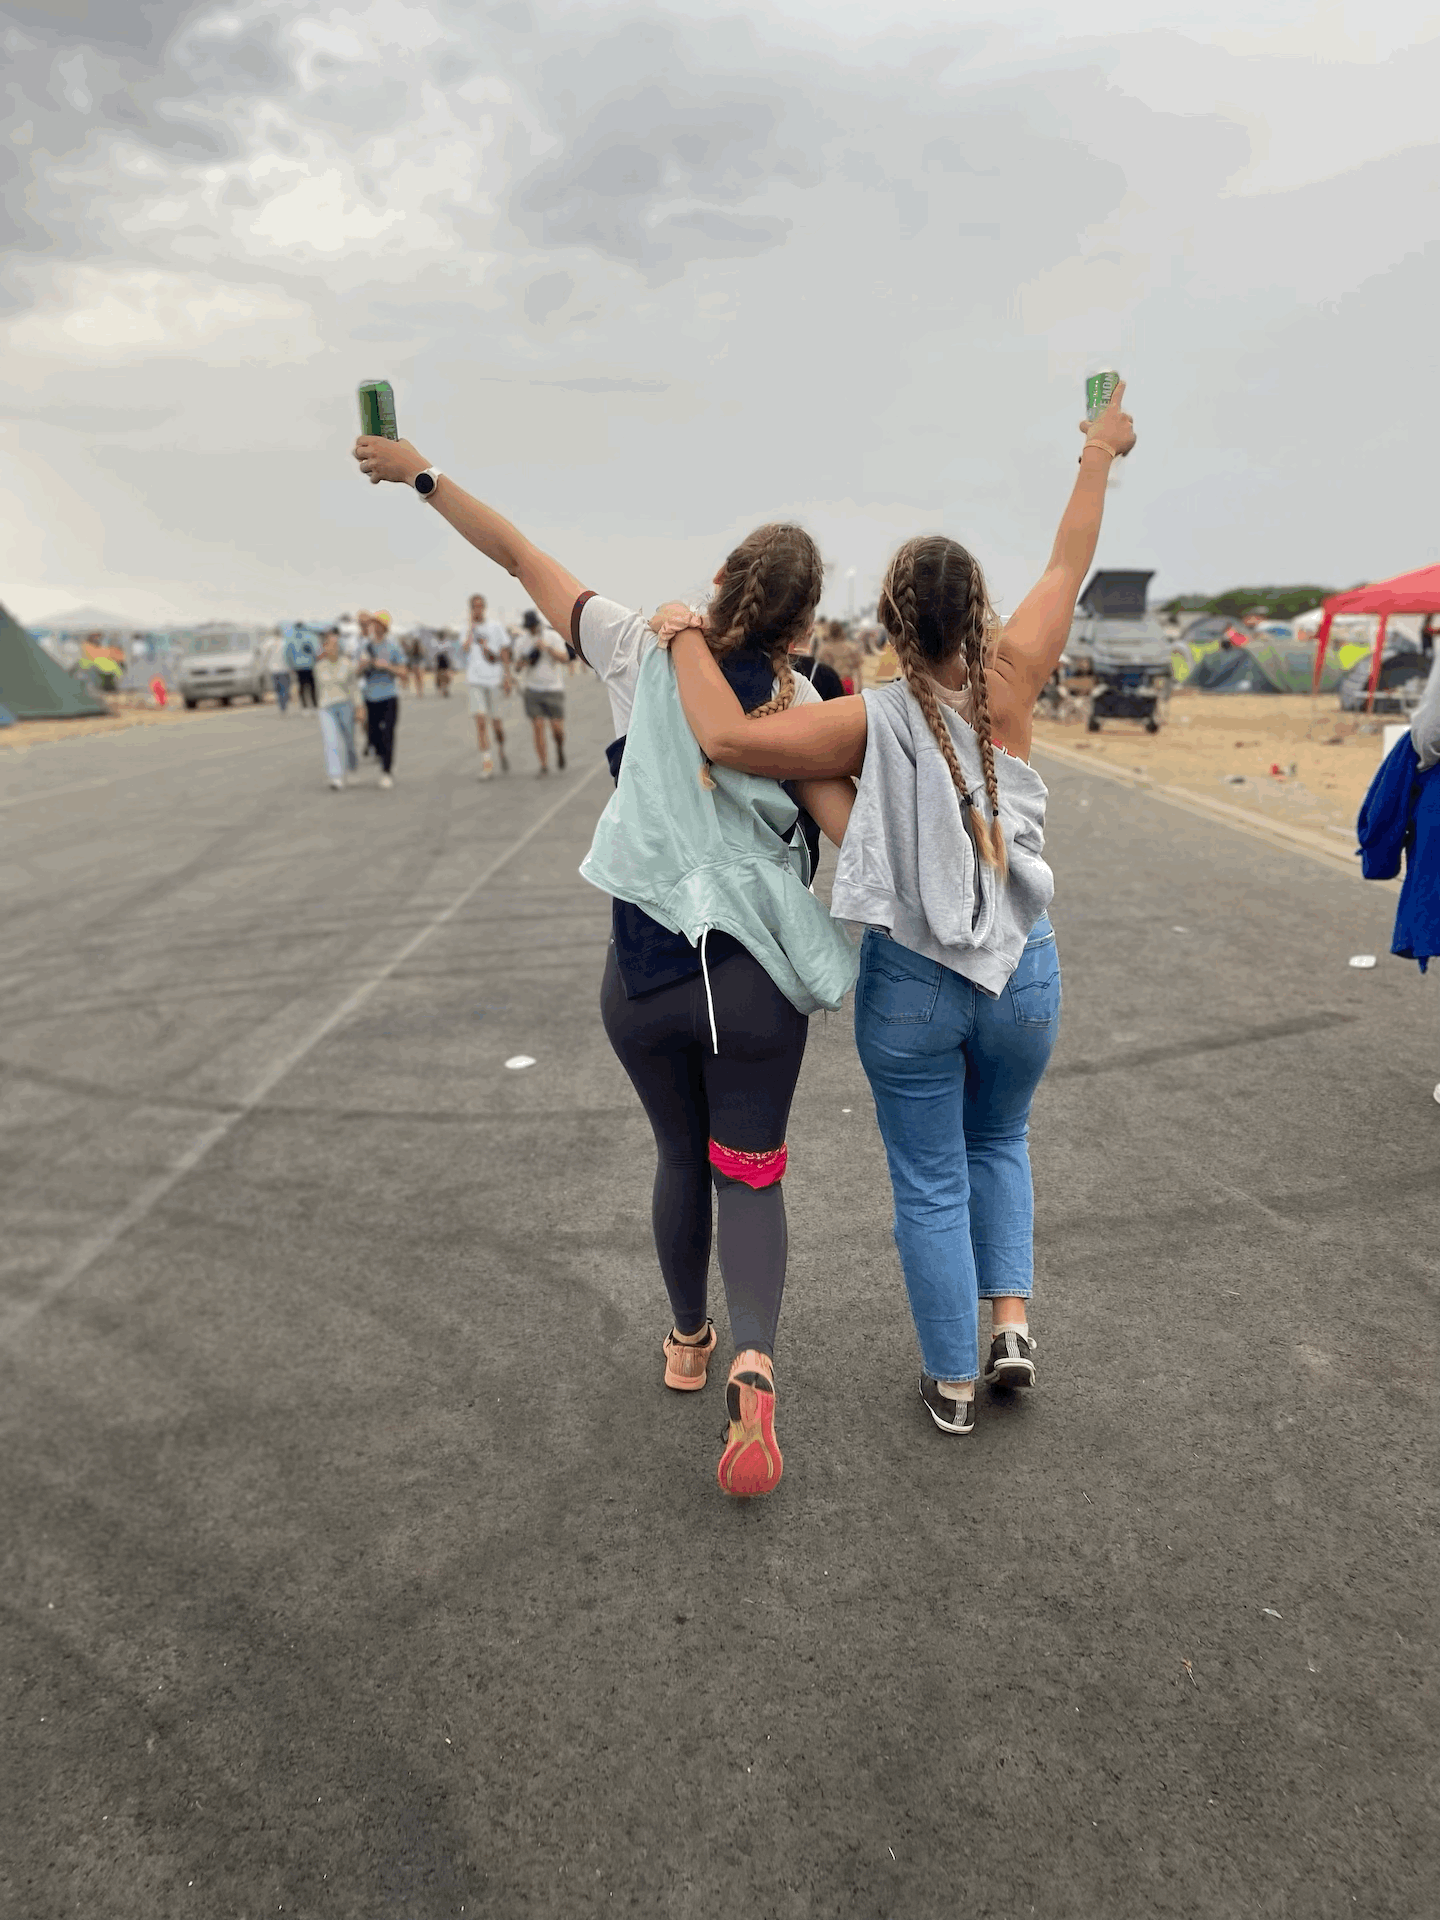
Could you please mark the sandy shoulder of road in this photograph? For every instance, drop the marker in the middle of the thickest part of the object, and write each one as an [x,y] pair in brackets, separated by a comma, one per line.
[43,733]
[1273,755]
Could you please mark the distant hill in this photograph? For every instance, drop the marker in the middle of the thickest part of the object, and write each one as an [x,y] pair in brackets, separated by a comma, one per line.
[91,620]
[1279,603]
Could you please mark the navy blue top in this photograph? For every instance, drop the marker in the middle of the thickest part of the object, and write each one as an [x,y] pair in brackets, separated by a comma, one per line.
[647,954]
[1401,814]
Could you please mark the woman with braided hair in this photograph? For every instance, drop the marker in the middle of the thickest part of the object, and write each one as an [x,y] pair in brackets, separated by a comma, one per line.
[958,1001]
[719,952]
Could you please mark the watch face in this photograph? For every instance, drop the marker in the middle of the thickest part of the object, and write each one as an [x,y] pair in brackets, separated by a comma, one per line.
[424,483]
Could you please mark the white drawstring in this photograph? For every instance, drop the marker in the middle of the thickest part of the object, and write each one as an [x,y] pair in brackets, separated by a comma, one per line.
[709,997]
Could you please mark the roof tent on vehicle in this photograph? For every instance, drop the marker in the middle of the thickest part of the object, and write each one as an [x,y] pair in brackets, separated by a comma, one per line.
[35,687]
[1113,595]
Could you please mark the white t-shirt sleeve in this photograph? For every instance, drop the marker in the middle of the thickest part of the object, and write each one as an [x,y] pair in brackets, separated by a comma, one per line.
[613,640]
[804,692]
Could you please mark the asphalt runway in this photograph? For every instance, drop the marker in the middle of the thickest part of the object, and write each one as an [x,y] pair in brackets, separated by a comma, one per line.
[356,1562]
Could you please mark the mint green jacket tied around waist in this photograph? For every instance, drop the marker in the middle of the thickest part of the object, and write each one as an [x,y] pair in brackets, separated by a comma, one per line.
[699,859]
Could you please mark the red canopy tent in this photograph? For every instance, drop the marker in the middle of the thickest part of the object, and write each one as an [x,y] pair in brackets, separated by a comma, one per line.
[1417,592]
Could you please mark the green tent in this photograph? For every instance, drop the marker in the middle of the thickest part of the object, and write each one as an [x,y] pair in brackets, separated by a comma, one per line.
[35,687]
[1264,666]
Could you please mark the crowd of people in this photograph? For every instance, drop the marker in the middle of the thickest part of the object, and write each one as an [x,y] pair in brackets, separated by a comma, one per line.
[720,949]
[353,674]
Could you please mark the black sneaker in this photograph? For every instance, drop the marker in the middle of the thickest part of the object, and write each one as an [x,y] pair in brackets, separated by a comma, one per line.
[1012,1359]
[951,1416]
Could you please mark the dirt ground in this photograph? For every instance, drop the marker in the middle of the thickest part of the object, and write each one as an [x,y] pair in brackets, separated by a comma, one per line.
[42,733]
[1228,746]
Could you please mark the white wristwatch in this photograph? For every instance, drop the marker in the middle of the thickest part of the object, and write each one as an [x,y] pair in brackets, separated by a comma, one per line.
[426,482]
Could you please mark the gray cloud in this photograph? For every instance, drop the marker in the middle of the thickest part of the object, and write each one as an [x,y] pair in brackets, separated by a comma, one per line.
[547,295]
[602,384]
[627,164]
[577,238]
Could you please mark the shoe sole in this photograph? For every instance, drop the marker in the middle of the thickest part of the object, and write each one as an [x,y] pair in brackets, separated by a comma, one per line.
[1011,1373]
[751,1463]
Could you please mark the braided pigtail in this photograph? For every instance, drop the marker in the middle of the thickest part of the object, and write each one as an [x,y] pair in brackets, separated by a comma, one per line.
[783,694]
[768,591]
[934,606]
[988,834]
[899,615]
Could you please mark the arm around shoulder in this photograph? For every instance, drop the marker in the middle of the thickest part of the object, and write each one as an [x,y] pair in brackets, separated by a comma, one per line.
[817,740]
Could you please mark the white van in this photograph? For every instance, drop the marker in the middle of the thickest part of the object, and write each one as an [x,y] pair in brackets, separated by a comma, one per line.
[222,663]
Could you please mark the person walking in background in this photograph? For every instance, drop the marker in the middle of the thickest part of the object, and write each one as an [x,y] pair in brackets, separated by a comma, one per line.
[414,648]
[382,663]
[487,678]
[277,665]
[301,655]
[335,686]
[444,664]
[543,657]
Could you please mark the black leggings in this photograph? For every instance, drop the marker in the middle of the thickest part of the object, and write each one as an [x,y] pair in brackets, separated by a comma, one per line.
[380,718]
[739,1098]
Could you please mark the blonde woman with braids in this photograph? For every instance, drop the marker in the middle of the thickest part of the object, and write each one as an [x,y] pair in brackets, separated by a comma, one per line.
[719,952]
[958,1000]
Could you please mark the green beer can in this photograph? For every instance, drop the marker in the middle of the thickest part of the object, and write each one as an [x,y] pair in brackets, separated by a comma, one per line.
[377,409]
[1098,389]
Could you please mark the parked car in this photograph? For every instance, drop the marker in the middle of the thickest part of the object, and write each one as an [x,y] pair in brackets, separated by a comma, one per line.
[1126,647]
[222,663]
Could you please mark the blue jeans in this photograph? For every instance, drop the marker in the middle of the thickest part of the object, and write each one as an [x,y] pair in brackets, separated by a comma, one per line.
[281,683]
[337,732]
[953,1073]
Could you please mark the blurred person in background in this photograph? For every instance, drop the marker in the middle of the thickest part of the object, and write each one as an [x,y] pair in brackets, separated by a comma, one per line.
[444,663]
[277,665]
[486,647]
[543,657]
[823,677]
[841,654]
[335,686]
[413,646]
[381,666]
[301,654]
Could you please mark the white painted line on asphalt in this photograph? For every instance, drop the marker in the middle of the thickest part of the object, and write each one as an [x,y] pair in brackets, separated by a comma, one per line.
[154,1191]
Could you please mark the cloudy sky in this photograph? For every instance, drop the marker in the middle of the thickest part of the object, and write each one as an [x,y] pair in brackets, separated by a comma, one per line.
[645,274]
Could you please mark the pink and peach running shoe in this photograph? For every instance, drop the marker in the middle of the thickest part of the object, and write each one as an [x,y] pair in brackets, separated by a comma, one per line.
[751,1463]
[687,1367]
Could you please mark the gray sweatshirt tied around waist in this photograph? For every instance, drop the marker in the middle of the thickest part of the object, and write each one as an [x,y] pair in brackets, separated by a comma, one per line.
[909,865]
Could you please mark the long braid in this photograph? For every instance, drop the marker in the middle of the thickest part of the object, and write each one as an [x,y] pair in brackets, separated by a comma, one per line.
[767,596]
[747,613]
[898,596]
[783,694]
[977,618]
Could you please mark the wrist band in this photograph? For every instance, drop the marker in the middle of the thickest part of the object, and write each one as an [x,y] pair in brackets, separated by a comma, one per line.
[1099,446]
